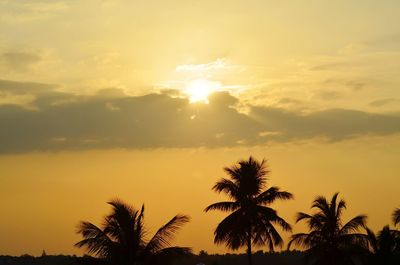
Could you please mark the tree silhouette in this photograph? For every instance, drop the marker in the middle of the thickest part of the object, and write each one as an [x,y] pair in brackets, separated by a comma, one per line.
[251,221]
[385,246]
[121,240]
[396,216]
[328,241]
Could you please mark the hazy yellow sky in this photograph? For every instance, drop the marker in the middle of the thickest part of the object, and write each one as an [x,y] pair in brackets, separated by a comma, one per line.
[97,101]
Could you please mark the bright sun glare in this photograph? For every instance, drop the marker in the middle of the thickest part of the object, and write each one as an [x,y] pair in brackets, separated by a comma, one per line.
[198,90]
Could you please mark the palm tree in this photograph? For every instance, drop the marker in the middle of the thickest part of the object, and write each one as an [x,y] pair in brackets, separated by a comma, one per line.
[121,240]
[384,246]
[328,241]
[251,221]
[396,216]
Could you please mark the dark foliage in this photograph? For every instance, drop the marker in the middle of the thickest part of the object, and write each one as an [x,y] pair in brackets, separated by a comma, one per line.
[45,260]
[396,216]
[250,221]
[384,246]
[122,238]
[260,258]
[329,241]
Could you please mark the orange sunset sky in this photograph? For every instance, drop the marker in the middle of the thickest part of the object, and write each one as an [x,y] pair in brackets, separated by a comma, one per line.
[147,101]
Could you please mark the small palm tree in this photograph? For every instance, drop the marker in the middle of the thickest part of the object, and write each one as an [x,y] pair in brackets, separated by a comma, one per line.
[251,221]
[384,247]
[396,216]
[328,241]
[121,238]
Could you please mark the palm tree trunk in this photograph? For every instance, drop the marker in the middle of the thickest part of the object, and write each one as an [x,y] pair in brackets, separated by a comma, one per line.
[249,257]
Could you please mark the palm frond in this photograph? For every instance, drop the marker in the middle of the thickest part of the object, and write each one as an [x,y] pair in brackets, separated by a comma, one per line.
[300,239]
[341,206]
[322,204]
[354,240]
[272,194]
[120,208]
[232,230]
[120,223]
[266,234]
[301,216]
[223,206]
[396,216]
[276,237]
[282,223]
[320,221]
[139,230]
[166,233]
[334,201]
[372,240]
[227,186]
[354,224]
[94,239]
[233,172]
[267,214]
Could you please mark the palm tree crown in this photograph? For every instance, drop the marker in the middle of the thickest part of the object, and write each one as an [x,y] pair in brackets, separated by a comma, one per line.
[328,241]
[121,238]
[385,246]
[251,220]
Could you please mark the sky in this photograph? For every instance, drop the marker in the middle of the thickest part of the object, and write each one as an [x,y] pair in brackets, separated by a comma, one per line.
[147,101]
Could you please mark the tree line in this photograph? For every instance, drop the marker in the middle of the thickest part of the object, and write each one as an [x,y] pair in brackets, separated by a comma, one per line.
[251,222]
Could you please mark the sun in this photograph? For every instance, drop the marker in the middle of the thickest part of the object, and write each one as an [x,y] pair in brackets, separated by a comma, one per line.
[198,90]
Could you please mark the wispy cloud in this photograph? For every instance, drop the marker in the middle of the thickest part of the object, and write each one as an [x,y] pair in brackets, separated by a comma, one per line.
[220,63]
[383,102]
[27,11]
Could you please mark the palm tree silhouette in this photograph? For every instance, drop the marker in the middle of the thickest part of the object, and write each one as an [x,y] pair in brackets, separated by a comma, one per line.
[121,238]
[385,246]
[251,220]
[328,241]
[396,216]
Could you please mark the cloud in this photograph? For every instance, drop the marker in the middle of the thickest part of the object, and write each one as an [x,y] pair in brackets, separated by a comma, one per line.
[162,121]
[384,102]
[25,87]
[18,61]
[354,85]
[389,42]
[22,94]
[28,11]
[331,66]
[332,124]
[45,6]
[328,95]
[220,63]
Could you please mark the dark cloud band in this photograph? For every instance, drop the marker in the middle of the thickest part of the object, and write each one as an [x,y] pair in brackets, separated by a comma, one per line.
[63,121]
